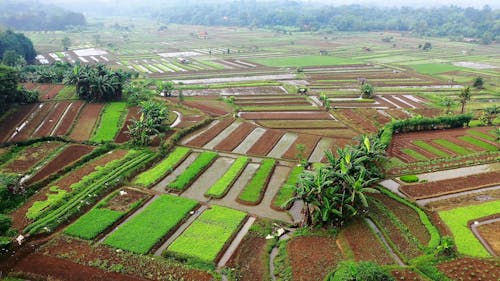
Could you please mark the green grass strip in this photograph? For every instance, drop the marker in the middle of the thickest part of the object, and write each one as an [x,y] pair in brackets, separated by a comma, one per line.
[417,156]
[68,92]
[480,134]
[93,223]
[479,143]
[457,220]
[453,146]
[111,121]
[206,237]
[287,191]
[193,171]
[163,168]
[143,231]
[253,191]
[434,150]
[220,188]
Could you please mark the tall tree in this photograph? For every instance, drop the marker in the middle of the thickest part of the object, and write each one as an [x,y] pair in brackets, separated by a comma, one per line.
[465,95]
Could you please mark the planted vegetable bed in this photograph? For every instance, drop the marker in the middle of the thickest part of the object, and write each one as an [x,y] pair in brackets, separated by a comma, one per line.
[199,165]
[30,156]
[222,186]
[287,191]
[156,173]
[110,122]
[254,191]
[142,232]
[204,240]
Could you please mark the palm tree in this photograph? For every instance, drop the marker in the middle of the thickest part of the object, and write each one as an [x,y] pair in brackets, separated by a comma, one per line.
[465,95]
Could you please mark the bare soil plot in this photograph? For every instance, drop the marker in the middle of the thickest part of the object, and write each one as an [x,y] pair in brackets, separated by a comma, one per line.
[86,122]
[235,138]
[34,121]
[211,133]
[9,123]
[250,258]
[309,142]
[449,186]
[283,145]
[357,119]
[282,115]
[30,156]
[51,120]
[301,124]
[123,136]
[68,118]
[68,156]
[223,135]
[210,107]
[406,275]
[265,143]
[313,257]
[489,232]
[471,269]
[51,92]
[250,140]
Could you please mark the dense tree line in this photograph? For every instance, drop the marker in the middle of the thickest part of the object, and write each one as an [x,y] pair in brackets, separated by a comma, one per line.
[10,91]
[14,45]
[28,15]
[449,21]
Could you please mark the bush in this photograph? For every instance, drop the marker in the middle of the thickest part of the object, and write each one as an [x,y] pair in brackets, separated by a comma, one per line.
[409,178]
[363,271]
[5,223]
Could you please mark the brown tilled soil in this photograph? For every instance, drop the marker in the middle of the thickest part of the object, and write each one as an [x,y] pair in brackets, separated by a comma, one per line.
[490,233]
[437,188]
[208,135]
[309,141]
[69,118]
[123,136]
[26,132]
[9,123]
[472,269]
[68,156]
[51,120]
[250,259]
[86,121]
[51,92]
[210,107]
[236,137]
[406,275]
[266,142]
[313,257]
[122,203]
[30,156]
[282,115]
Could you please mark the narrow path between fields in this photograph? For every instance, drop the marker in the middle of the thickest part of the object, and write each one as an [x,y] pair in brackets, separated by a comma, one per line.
[377,231]
[180,230]
[474,227]
[178,120]
[236,242]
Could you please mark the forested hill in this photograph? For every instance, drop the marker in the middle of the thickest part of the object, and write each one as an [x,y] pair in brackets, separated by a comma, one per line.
[29,15]
[445,21]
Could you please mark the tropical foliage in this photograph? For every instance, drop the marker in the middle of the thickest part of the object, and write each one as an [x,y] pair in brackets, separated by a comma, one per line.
[151,122]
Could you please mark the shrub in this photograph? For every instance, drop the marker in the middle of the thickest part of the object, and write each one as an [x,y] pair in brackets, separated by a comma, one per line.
[409,178]
[5,223]
[362,271]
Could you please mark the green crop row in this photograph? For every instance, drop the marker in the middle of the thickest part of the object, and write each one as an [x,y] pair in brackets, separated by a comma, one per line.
[93,223]
[479,143]
[68,92]
[163,168]
[453,146]
[206,237]
[220,188]
[253,191]
[144,231]
[434,150]
[287,191]
[85,194]
[481,135]
[53,197]
[110,121]
[417,156]
[193,171]
[409,178]
[457,220]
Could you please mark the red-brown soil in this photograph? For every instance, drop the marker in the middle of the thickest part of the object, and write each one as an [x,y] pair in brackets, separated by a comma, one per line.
[30,156]
[266,142]
[50,94]
[86,121]
[471,269]
[70,154]
[406,275]
[309,141]
[40,115]
[190,120]
[9,123]
[364,244]
[236,137]
[133,265]
[61,269]
[209,107]
[313,257]
[69,118]
[250,259]
[122,203]
[51,120]
[357,120]
[275,103]
[489,232]
[208,135]
[123,136]
[428,112]
[397,113]
[437,188]
[19,220]
[320,115]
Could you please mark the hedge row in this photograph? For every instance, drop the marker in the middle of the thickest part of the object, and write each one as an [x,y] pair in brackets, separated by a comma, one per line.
[193,171]
[220,188]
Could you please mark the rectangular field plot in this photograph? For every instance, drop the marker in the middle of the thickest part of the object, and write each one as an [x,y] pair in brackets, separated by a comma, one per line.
[143,231]
[110,121]
[207,236]
[200,164]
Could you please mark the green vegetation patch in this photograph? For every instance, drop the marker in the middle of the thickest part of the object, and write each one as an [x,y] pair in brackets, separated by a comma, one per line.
[193,171]
[414,154]
[68,92]
[481,135]
[434,150]
[253,191]
[306,61]
[453,146]
[163,168]
[54,196]
[111,120]
[435,68]
[206,237]
[93,223]
[220,188]
[286,192]
[143,231]
[457,220]
[479,143]
[409,178]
